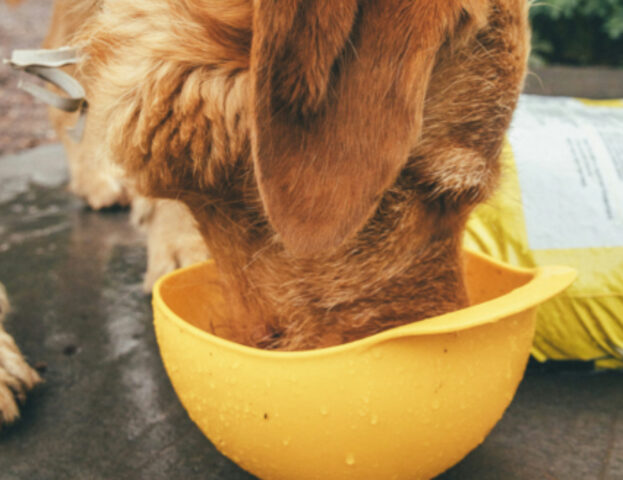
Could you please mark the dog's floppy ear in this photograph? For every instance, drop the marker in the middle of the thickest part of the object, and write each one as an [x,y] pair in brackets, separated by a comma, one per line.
[337,97]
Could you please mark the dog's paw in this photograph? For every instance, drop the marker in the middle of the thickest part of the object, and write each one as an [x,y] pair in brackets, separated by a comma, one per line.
[173,240]
[16,376]
[100,191]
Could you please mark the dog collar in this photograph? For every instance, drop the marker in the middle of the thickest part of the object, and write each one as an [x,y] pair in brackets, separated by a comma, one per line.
[46,64]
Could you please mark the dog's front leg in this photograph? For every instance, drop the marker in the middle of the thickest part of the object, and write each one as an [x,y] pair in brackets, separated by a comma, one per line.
[16,376]
[173,240]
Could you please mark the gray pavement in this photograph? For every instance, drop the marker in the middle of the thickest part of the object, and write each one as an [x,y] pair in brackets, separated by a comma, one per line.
[107,410]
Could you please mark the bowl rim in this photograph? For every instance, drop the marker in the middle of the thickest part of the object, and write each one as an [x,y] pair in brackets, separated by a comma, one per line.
[546,282]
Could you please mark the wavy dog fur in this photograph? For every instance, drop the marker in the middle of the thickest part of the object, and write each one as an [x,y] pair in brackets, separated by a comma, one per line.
[330,152]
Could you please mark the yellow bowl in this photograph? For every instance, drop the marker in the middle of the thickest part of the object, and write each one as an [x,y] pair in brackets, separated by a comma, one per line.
[406,403]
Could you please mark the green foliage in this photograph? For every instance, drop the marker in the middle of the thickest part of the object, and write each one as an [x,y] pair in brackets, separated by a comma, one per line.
[578,32]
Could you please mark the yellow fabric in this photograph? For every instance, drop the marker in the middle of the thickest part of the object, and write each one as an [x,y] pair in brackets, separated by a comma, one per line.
[586,321]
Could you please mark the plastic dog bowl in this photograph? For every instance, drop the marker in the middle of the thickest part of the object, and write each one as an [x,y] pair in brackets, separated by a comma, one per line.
[407,403]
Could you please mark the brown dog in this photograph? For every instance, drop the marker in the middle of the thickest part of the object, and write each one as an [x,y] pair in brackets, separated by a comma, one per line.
[329,151]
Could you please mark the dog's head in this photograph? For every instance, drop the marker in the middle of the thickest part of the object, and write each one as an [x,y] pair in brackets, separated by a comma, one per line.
[335,99]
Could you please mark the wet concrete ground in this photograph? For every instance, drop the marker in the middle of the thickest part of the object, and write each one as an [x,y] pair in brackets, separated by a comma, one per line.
[107,410]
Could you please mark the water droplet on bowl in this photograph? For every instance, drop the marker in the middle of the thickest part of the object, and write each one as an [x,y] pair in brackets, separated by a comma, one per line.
[374,419]
[350,459]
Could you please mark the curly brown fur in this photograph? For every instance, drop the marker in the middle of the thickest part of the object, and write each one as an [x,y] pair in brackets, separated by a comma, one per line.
[329,151]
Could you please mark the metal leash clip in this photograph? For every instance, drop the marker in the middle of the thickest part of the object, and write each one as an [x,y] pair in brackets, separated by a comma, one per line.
[46,64]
